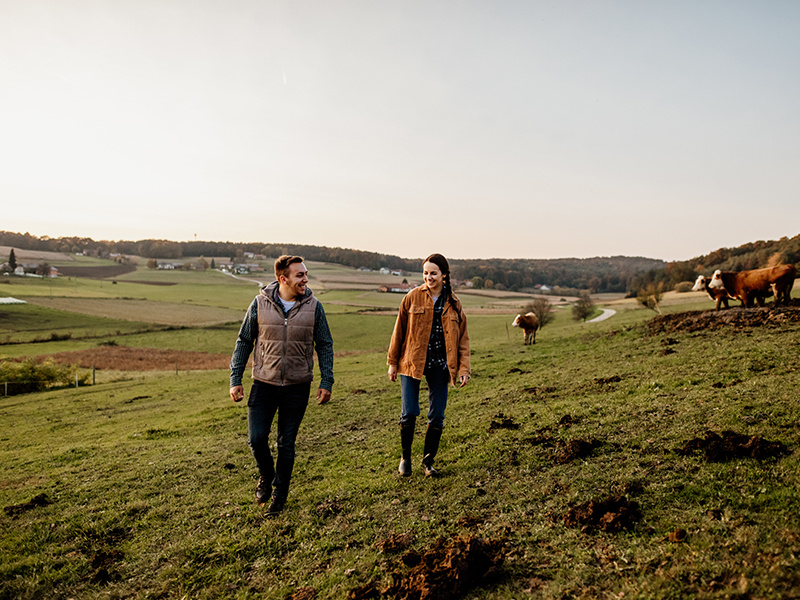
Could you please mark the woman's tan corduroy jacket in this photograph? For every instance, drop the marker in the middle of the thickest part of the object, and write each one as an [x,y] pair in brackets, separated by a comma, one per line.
[412,330]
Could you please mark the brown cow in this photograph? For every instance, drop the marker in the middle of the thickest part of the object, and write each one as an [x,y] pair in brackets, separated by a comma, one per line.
[719,296]
[754,285]
[529,324]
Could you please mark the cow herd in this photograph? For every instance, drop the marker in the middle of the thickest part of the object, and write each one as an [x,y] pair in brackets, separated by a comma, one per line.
[749,286]
[746,286]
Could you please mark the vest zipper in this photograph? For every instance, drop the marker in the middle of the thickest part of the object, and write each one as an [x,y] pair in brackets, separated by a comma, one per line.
[285,340]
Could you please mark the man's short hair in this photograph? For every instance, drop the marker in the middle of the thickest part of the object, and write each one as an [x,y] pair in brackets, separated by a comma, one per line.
[283,262]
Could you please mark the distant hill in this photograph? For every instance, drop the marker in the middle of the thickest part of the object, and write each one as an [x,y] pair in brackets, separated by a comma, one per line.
[753,255]
[600,274]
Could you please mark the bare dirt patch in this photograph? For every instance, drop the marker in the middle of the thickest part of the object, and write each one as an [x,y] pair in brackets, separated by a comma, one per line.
[574,450]
[124,358]
[730,445]
[502,422]
[732,318]
[447,570]
[395,543]
[96,272]
[611,514]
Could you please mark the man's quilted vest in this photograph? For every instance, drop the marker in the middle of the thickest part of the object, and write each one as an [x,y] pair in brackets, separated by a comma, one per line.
[284,351]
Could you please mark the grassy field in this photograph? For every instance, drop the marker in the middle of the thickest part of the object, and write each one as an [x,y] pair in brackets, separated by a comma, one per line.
[141,486]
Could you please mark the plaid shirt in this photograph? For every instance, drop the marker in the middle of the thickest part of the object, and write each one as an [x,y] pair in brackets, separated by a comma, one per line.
[248,334]
[436,358]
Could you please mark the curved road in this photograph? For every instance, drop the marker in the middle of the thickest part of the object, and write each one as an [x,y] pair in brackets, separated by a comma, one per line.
[607,312]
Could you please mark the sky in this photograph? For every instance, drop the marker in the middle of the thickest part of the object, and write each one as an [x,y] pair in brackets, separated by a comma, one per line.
[477,129]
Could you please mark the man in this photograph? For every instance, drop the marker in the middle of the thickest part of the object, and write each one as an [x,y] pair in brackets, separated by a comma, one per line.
[284,324]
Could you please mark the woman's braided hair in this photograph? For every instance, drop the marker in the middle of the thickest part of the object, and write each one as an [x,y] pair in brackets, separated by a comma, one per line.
[441,262]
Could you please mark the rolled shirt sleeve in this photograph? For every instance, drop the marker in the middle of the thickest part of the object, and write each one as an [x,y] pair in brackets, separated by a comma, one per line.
[323,342]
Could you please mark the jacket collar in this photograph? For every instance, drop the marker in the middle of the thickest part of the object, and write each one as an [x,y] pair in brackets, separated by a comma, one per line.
[424,290]
[270,292]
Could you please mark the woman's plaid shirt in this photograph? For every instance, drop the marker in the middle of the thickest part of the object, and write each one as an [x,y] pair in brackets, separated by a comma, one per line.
[436,358]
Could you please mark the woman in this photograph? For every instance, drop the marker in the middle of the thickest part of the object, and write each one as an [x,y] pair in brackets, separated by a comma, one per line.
[430,338]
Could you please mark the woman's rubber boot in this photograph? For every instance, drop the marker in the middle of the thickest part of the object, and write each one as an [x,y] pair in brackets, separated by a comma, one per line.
[406,439]
[432,437]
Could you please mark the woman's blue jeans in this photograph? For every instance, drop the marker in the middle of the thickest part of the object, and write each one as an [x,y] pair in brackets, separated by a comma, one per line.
[290,402]
[437,397]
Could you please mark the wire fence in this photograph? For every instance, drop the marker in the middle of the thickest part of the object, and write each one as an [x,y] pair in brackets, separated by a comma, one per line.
[29,386]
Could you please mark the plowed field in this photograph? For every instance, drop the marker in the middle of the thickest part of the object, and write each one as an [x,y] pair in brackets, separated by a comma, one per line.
[123,358]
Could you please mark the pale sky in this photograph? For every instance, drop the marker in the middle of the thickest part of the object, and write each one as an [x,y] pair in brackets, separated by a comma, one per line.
[530,129]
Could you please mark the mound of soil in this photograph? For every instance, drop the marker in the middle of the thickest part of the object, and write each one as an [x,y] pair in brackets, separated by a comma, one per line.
[303,593]
[613,514]
[364,592]
[731,445]
[395,543]
[448,570]
[503,422]
[123,358]
[574,449]
[732,318]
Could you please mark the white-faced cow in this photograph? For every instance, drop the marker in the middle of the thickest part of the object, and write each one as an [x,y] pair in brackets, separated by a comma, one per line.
[720,296]
[529,324]
[756,284]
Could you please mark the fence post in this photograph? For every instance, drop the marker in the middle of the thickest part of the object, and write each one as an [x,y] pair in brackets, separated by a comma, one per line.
[94,367]
[76,380]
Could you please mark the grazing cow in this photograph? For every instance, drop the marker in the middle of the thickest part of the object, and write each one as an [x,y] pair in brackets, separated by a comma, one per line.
[529,324]
[720,296]
[755,285]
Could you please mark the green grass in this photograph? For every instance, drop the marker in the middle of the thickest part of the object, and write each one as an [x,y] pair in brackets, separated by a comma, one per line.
[24,323]
[151,479]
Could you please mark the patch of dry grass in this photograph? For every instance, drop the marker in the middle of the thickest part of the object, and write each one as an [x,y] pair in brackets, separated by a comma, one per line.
[123,358]
[149,311]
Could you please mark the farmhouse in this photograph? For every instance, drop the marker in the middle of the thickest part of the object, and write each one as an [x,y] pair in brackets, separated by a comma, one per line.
[397,288]
[242,269]
[29,270]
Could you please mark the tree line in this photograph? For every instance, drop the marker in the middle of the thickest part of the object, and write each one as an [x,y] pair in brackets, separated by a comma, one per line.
[600,274]
[753,255]
[620,274]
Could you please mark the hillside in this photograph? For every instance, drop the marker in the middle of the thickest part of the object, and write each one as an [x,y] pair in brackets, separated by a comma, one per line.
[601,274]
[618,274]
[754,255]
[636,457]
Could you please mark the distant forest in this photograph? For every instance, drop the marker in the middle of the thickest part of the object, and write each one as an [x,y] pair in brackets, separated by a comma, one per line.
[602,274]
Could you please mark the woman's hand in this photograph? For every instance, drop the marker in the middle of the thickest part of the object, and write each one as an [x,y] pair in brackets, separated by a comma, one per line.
[464,379]
[393,372]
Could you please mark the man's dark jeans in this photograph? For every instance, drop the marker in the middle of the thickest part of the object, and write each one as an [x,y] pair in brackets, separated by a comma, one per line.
[290,402]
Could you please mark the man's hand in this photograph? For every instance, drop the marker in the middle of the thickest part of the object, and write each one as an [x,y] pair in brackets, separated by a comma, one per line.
[323,396]
[237,393]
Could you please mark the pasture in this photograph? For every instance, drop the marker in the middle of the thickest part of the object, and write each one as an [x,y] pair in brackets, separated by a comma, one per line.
[578,467]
